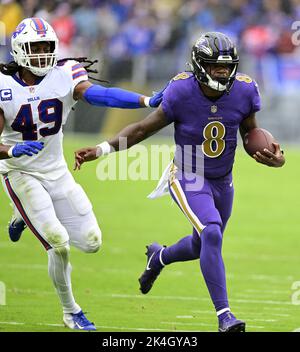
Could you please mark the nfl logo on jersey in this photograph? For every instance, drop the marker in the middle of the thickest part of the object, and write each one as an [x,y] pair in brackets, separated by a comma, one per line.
[5,94]
[214,109]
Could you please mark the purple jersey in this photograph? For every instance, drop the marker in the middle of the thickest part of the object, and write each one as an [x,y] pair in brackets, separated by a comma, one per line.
[208,127]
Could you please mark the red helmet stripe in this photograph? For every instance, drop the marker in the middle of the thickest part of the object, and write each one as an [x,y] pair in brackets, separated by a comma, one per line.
[39,25]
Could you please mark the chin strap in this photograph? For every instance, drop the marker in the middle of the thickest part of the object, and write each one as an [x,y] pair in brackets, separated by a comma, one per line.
[215,84]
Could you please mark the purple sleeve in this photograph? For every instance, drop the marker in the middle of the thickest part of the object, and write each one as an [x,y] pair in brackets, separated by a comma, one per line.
[168,103]
[255,98]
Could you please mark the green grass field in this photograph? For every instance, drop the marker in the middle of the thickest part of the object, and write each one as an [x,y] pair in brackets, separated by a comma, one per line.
[261,252]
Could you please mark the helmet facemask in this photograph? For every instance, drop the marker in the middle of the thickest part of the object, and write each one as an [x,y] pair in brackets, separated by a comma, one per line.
[204,75]
[38,64]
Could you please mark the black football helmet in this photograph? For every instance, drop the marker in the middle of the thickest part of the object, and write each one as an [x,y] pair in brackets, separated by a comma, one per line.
[213,48]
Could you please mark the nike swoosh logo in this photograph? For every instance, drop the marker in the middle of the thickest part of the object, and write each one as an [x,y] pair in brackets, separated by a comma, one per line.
[231,184]
[78,325]
[148,267]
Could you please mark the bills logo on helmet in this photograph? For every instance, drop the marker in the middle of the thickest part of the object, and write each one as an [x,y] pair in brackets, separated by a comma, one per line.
[19,29]
[5,94]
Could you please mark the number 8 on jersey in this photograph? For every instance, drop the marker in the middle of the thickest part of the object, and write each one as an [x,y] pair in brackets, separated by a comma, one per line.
[214,144]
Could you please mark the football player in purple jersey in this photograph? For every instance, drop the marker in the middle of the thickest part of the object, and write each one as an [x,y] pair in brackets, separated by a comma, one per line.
[207,106]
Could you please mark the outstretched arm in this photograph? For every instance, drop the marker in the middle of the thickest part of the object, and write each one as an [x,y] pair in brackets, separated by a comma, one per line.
[268,158]
[129,136]
[98,95]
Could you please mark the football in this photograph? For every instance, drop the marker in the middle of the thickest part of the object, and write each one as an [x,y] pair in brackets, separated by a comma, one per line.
[257,140]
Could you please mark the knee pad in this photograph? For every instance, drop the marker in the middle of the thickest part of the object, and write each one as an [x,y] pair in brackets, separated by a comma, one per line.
[212,235]
[93,240]
[63,250]
[55,234]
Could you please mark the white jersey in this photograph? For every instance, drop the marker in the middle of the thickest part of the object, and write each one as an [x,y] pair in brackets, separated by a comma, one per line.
[37,113]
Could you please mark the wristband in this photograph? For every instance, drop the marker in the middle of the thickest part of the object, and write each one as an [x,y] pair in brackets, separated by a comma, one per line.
[9,152]
[103,148]
[147,101]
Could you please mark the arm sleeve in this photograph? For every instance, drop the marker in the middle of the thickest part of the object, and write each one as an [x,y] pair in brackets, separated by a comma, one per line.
[112,97]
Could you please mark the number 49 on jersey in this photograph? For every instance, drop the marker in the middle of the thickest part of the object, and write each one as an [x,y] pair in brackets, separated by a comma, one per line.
[49,112]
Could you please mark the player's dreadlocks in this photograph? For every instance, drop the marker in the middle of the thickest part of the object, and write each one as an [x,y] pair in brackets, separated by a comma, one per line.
[9,69]
[86,61]
[12,67]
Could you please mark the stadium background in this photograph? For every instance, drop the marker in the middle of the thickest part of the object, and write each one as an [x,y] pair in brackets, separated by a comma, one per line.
[140,45]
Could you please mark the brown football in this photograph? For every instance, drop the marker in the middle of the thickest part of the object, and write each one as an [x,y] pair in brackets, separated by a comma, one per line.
[257,140]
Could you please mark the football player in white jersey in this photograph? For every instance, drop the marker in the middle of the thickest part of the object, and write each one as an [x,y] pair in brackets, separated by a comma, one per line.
[37,93]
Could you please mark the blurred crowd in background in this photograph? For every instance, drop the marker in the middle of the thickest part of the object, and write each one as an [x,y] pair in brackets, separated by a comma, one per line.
[144,41]
[118,31]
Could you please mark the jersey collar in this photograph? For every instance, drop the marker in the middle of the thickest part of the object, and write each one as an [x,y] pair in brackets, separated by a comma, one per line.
[24,84]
